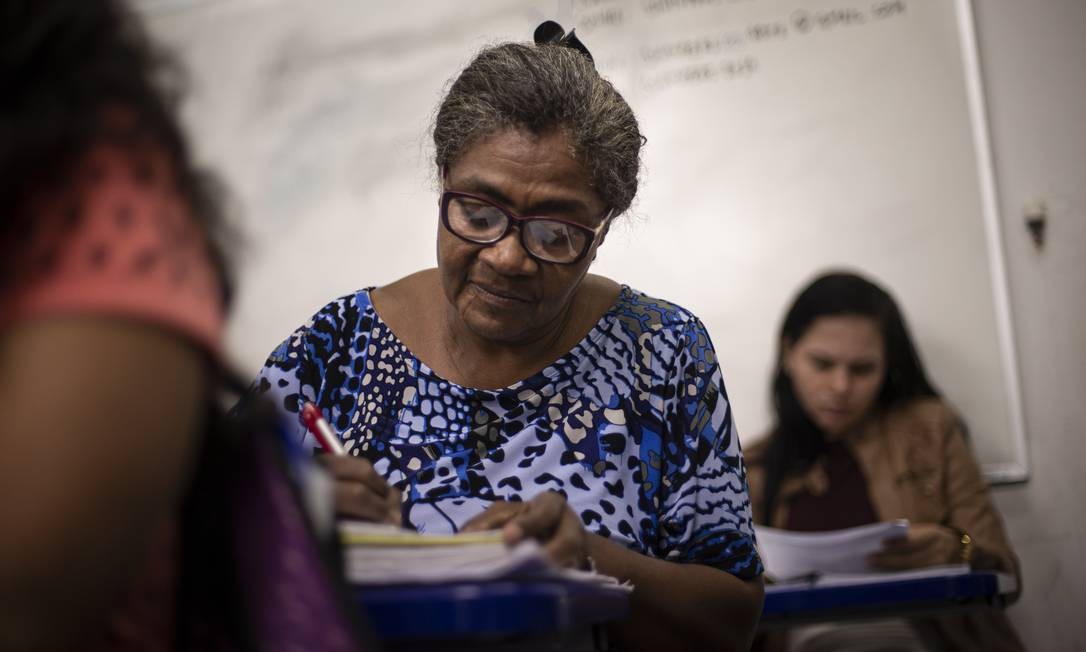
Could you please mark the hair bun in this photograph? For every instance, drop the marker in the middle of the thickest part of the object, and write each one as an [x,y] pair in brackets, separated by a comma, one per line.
[550,32]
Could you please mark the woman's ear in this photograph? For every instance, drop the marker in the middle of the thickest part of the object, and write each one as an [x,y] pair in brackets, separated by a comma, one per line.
[785,361]
[603,234]
[606,230]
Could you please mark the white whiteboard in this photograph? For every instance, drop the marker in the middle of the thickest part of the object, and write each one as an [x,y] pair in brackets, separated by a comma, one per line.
[784,137]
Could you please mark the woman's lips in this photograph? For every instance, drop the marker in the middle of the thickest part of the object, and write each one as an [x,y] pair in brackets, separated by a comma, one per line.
[836,413]
[497,295]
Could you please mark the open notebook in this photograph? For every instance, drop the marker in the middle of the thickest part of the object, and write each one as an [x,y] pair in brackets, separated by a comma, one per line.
[377,554]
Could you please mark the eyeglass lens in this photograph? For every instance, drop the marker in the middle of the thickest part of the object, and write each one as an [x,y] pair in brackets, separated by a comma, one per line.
[547,239]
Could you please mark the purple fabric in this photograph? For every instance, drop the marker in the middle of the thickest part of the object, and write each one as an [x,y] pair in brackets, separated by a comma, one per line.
[290,600]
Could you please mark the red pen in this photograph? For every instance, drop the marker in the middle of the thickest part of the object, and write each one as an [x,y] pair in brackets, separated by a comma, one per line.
[322,431]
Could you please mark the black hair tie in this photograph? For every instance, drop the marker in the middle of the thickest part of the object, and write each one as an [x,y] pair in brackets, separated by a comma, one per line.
[550,32]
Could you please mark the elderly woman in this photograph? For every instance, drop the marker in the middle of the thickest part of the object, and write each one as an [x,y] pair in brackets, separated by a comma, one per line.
[508,388]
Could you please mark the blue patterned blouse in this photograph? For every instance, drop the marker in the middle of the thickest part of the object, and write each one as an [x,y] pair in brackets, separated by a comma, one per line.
[633,425]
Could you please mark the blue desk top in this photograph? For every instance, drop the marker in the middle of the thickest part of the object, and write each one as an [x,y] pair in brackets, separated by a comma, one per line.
[495,609]
[487,609]
[791,603]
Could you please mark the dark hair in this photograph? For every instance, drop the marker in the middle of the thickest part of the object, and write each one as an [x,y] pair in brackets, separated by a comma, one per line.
[795,442]
[539,88]
[67,69]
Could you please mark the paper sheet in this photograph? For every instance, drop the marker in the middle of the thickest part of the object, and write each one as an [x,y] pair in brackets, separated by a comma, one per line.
[790,555]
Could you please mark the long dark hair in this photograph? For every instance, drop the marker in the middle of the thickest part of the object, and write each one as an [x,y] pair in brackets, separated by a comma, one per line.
[795,442]
[66,68]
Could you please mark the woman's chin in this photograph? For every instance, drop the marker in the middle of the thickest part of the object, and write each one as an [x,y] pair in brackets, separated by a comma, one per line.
[493,326]
[834,427]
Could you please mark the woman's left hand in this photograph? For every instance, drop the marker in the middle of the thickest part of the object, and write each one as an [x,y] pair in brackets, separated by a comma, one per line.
[927,544]
[546,518]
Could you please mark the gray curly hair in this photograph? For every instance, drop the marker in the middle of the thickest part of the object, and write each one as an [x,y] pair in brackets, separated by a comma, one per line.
[539,88]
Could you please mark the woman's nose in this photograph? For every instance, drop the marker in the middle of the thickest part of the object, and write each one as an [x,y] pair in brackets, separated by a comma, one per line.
[507,256]
[840,380]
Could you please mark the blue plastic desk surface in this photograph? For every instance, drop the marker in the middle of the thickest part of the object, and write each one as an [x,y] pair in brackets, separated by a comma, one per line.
[486,609]
[805,602]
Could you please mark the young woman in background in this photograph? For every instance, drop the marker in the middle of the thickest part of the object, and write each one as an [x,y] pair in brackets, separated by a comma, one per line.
[861,435]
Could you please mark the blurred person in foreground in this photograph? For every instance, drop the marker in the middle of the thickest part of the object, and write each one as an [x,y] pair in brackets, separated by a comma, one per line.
[509,388]
[861,435]
[111,315]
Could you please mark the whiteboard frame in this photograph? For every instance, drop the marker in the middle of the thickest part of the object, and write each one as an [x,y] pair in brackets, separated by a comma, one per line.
[1018,470]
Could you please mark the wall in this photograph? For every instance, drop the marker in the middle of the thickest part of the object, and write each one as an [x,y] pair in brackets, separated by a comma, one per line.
[1034,62]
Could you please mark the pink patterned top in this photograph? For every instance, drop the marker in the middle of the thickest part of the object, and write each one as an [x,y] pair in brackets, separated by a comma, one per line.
[119,241]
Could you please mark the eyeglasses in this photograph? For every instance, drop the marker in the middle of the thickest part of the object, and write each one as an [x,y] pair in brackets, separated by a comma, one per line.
[478,220]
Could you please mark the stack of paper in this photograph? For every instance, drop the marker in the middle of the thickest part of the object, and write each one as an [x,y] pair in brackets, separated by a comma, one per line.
[384,555]
[790,555]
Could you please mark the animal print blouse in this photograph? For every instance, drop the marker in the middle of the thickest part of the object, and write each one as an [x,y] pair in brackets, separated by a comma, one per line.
[633,425]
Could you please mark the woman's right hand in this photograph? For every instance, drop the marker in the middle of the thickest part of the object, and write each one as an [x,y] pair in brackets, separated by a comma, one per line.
[361,492]
[927,544]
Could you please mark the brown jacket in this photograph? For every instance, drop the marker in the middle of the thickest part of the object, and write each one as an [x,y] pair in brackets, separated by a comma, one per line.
[918,467]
